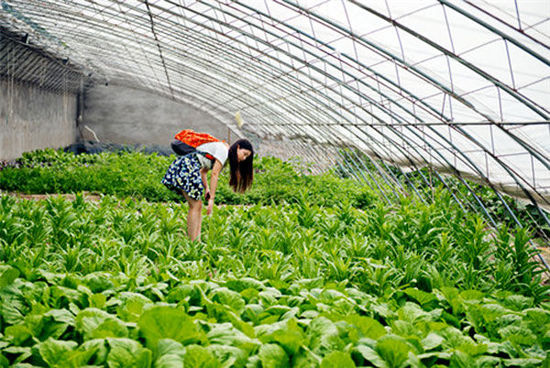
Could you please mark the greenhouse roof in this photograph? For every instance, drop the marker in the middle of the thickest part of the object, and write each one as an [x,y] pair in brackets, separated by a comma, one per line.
[462,86]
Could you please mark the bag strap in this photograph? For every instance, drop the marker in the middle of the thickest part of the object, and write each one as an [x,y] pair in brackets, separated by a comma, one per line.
[207,155]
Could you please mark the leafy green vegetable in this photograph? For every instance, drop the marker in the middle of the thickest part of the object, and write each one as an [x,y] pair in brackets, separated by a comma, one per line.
[165,322]
[199,357]
[63,354]
[366,326]
[229,356]
[128,353]
[131,308]
[168,354]
[323,336]
[337,359]
[393,350]
[229,298]
[17,334]
[95,324]
[7,275]
[273,356]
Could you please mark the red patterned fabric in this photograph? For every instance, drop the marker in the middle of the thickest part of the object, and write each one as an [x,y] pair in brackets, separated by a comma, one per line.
[194,139]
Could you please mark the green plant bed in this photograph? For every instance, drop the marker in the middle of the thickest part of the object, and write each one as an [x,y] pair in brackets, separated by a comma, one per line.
[103,319]
[138,175]
[117,283]
[476,197]
[315,271]
[384,248]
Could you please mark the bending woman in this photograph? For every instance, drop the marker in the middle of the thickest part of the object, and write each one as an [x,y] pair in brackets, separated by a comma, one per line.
[187,176]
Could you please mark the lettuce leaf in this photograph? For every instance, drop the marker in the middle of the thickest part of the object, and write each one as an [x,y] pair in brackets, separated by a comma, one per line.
[273,356]
[168,354]
[337,359]
[94,323]
[63,354]
[128,353]
[198,357]
[323,336]
[165,322]
[8,275]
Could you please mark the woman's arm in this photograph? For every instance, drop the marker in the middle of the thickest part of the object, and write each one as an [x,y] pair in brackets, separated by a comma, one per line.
[216,169]
[205,183]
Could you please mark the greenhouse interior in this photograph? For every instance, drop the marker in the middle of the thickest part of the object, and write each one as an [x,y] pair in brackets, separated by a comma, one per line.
[364,183]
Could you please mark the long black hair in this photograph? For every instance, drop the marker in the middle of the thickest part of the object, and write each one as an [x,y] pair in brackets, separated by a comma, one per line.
[241,173]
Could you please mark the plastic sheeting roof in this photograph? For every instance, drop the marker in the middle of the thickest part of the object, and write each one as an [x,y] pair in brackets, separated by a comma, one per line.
[460,85]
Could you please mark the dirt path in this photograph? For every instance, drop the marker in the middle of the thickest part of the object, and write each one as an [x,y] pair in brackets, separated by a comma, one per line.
[37,197]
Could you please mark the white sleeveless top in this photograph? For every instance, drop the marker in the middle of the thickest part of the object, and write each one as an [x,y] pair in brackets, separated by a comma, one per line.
[216,149]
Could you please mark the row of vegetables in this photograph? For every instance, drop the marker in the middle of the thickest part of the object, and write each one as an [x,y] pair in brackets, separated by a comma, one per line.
[66,320]
[116,283]
[302,278]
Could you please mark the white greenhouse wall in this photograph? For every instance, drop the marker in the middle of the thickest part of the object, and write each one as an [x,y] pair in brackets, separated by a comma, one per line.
[32,118]
[126,115]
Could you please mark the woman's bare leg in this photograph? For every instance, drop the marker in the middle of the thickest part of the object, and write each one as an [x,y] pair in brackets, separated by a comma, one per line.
[194,217]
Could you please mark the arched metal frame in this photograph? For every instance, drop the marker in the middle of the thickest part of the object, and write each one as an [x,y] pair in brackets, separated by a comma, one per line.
[360,74]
